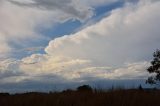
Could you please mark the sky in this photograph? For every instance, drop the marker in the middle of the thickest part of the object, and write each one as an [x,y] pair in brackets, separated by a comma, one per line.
[59,44]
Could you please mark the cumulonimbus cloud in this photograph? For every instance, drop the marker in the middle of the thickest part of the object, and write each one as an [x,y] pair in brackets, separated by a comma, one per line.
[129,34]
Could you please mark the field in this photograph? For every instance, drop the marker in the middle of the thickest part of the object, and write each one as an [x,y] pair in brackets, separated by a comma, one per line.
[132,97]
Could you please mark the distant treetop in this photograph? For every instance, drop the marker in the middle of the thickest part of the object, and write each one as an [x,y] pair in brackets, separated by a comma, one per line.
[84,88]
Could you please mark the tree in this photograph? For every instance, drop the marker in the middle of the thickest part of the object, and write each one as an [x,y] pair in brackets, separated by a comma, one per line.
[140,87]
[154,68]
[84,88]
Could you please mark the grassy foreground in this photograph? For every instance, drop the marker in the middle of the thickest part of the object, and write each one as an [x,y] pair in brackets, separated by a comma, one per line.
[84,98]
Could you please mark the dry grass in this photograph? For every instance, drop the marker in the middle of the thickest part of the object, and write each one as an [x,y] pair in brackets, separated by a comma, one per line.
[84,98]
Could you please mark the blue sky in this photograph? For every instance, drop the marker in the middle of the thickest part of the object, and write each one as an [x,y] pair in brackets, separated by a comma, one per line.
[73,42]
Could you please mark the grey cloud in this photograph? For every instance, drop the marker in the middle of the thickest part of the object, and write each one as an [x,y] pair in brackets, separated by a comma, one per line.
[75,8]
[9,68]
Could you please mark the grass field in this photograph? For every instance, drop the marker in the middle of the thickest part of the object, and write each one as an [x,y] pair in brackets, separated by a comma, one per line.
[132,97]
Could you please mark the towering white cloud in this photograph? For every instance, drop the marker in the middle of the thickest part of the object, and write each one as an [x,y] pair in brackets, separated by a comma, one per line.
[129,34]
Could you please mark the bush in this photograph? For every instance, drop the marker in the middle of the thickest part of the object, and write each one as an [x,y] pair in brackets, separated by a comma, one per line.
[84,88]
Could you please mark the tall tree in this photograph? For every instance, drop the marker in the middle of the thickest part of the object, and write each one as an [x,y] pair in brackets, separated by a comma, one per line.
[154,69]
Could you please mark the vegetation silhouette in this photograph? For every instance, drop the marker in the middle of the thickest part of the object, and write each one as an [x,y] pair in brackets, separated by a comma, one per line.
[84,88]
[154,69]
[84,96]
[140,87]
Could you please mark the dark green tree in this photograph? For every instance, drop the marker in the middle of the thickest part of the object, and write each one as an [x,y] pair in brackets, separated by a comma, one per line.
[154,69]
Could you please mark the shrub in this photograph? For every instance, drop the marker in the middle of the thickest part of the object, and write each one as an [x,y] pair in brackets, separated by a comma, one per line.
[84,88]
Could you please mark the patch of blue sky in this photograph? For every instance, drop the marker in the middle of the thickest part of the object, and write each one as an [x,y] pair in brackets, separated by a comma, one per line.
[62,29]
[71,26]
[28,48]
[104,10]
[108,7]
[101,12]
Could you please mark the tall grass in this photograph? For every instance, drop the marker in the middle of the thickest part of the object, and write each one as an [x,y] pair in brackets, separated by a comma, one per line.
[95,97]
